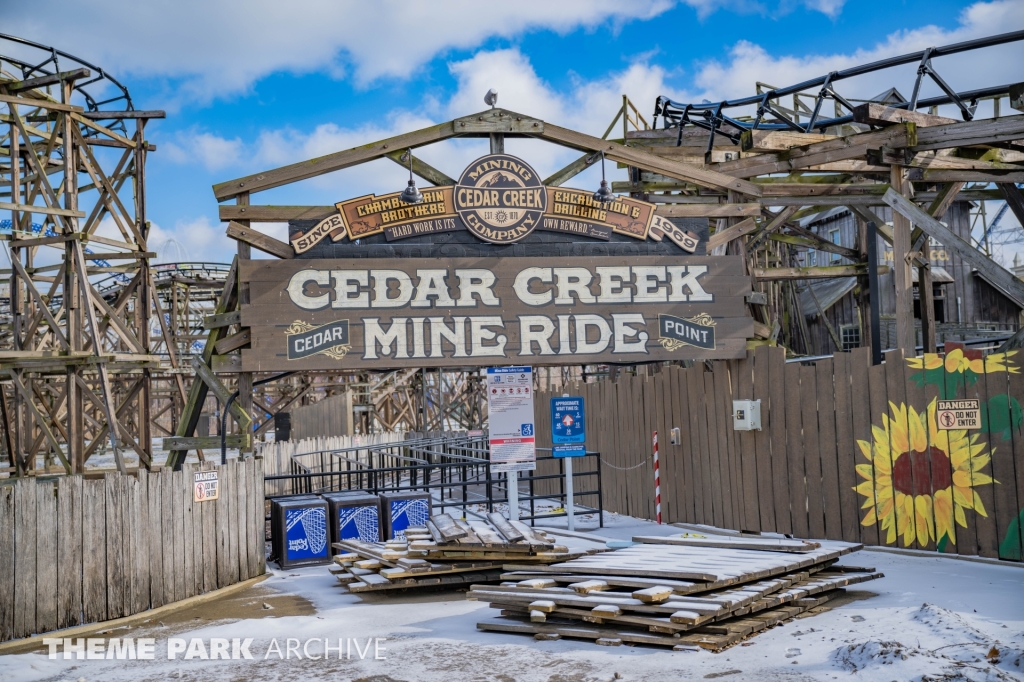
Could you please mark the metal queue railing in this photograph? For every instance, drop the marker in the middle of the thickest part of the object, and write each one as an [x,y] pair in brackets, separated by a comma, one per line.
[455,469]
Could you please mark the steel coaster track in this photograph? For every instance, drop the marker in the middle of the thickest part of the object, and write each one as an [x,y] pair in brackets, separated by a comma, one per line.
[711,116]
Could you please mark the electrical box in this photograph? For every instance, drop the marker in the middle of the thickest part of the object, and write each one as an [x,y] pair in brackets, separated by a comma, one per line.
[746,415]
[674,437]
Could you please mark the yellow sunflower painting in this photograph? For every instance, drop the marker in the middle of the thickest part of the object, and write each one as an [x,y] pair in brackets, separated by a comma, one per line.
[920,479]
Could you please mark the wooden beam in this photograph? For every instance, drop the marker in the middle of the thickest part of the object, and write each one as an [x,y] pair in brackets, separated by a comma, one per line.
[575,168]
[1013,199]
[881,115]
[779,140]
[221,391]
[233,342]
[646,161]
[968,133]
[1010,286]
[261,241]
[274,214]
[422,169]
[824,272]
[32,102]
[222,320]
[43,81]
[43,210]
[808,239]
[312,168]
[242,441]
[107,115]
[852,147]
[773,225]
[930,175]
[750,210]
[740,229]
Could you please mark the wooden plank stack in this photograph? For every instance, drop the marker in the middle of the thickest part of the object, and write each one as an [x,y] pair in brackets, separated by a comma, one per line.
[446,551]
[682,593]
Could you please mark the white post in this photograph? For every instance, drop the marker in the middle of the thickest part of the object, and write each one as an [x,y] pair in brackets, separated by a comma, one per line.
[570,508]
[512,482]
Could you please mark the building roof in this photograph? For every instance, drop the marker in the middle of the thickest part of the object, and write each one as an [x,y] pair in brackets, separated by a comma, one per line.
[827,291]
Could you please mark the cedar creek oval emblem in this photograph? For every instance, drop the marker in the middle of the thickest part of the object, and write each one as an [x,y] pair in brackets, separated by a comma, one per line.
[500,198]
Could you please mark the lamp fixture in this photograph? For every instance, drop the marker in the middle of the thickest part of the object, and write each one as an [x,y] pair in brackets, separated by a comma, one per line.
[604,193]
[411,195]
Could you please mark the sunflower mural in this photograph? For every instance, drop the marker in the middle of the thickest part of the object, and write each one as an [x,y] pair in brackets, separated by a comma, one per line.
[922,507]
[920,481]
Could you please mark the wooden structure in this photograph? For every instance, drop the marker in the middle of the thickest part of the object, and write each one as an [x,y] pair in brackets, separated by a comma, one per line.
[659,592]
[77,550]
[833,459]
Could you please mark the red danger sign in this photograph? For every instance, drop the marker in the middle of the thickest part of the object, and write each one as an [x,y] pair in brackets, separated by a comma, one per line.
[958,415]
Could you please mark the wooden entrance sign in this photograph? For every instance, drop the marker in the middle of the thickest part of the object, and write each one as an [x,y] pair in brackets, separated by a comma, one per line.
[370,313]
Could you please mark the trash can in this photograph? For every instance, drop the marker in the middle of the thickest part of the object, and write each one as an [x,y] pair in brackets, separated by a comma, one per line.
[300,531]
[403,510]
[355,515]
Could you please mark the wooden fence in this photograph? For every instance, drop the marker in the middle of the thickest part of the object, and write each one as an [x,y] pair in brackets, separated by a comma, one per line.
[846,450]
[77,550]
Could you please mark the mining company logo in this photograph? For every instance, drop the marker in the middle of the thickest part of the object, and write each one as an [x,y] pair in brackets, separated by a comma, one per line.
[500,198]
[676,332]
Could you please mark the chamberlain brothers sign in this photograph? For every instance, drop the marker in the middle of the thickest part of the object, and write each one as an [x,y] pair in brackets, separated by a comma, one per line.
[370,313]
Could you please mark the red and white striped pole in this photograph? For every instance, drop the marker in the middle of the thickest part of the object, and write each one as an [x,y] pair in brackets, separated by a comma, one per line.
[657,480]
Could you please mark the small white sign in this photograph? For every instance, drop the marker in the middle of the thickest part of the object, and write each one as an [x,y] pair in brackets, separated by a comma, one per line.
[958,414]
[206,487]
[512,436]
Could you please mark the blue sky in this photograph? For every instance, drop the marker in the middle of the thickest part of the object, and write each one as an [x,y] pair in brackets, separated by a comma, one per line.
[251,86]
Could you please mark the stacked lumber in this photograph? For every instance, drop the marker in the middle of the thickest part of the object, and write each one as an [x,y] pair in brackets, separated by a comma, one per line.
[680,592]
[445,551]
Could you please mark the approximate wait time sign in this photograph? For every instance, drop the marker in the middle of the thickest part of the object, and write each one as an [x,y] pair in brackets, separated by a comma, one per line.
[510,416]
[958,414]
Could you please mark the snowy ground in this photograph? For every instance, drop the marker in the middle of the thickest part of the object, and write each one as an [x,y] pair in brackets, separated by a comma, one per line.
[930,618]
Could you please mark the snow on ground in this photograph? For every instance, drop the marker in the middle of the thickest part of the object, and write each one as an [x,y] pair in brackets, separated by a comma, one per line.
[930,618]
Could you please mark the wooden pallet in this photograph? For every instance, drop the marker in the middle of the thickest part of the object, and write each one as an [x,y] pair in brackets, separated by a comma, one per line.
[715,638]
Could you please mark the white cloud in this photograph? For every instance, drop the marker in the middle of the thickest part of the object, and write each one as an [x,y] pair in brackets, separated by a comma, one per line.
[211,151]
[220,46]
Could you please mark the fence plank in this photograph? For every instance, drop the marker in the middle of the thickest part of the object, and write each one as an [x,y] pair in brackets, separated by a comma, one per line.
[257,544]
[921,474]
[682,413]
[232,493]
[129,525]
[967,536]
[780,457]
[795,452]
[7,523]
[846,451]
[879,406]
[861,409]
[896,389]
[170,558]
[198,567]
[222,525]
[243,520]
[69,556]
[732,491]
[714,455]
[1016,383]
[115,577]
[812,451]
[939,475]
[762,442]
[94,554]
[154,540]
[24,557]
[209,541]
[984,495]
[1007,506]
[46,555]
[178,530]
[188,556]
[824,374]
[140,548]
[698,444]
[748,447]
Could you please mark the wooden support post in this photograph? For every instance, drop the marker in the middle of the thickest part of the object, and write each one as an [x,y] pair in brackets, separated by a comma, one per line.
[906,337]
[926,299]
[244,378]
[864,284]
[874,292]
[143,296]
